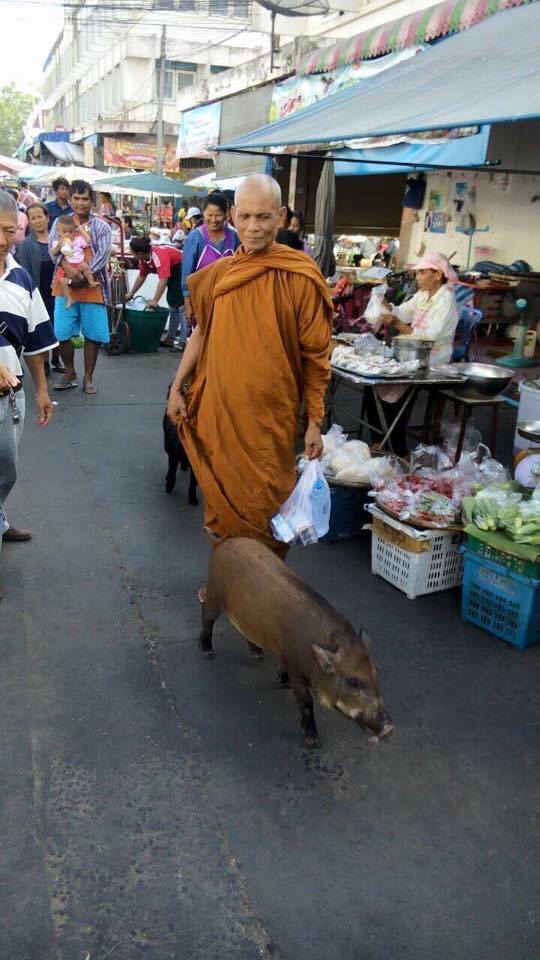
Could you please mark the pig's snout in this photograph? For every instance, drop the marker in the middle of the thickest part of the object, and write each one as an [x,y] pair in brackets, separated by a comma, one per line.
[381,725]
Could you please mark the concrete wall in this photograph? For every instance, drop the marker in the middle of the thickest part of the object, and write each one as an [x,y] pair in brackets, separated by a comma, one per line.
[513,217]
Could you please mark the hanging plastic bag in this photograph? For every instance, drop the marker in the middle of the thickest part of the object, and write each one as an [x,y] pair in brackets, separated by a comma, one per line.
[305,516]
[374,308]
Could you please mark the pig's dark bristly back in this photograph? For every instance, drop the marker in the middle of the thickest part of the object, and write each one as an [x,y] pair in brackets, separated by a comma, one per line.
[247,578]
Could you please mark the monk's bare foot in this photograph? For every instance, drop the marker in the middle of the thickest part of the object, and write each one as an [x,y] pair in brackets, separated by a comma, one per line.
[201,594]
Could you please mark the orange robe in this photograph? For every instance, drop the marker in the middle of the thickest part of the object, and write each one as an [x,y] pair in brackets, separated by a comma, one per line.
[266,322]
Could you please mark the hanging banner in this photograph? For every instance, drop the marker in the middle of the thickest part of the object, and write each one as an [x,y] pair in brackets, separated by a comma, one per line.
[299,92]
[131,155]
[199,131]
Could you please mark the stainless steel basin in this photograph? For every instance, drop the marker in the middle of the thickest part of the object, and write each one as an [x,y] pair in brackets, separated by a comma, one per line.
[529,430]
[483,379]
[412,348]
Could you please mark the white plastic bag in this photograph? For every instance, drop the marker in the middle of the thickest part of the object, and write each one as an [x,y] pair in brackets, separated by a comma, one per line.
[350,462]
[368,343]
[305,516]
[138,303]
[374,308]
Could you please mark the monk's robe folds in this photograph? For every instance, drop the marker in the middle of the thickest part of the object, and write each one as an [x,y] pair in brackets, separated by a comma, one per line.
[266,322]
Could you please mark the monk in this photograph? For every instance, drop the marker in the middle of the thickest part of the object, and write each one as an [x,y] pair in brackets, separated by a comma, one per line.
[260,348]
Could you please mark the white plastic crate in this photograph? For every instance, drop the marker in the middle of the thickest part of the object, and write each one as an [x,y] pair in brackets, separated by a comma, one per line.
[415,561]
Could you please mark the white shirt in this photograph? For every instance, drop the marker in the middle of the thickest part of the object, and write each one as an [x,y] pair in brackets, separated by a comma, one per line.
[434,318]
[24,312]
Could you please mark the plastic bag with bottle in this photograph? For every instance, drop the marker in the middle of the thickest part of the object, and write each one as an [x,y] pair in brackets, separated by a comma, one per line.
[305,516]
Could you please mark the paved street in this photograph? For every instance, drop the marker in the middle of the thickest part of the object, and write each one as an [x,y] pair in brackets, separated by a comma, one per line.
[157,805]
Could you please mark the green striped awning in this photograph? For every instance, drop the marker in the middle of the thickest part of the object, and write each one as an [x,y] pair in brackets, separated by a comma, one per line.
[438,21]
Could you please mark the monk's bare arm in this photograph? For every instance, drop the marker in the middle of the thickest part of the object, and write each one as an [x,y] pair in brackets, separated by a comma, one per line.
[176,407]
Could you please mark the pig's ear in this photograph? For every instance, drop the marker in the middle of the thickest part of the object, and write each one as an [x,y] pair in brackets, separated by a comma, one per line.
[325,658]
[365,638]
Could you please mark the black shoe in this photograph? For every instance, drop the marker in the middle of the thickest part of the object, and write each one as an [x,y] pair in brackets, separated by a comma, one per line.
[12,535]
[58,366]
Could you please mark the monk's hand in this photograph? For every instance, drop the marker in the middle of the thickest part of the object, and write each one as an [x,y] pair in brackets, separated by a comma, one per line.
[177,407]
[313,442]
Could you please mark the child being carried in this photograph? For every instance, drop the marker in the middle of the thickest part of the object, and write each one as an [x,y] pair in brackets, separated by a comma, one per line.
[72,241]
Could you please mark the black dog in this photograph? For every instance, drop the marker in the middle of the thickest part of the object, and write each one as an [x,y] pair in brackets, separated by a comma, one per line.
[177,458]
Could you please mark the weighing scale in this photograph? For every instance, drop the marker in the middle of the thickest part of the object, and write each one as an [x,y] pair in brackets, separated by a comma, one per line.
[527,462]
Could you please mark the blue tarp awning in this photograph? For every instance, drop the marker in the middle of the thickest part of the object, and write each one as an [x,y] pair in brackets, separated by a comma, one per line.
[404,157]
[489,74]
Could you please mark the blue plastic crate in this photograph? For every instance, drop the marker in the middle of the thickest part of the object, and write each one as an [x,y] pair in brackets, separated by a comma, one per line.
[347,514]
[500,601]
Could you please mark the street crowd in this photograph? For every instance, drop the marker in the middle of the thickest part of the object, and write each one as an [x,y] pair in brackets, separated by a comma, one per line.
[251,317]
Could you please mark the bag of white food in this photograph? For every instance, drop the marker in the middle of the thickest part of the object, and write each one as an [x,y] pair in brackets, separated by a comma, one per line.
[374,308]
[305,515]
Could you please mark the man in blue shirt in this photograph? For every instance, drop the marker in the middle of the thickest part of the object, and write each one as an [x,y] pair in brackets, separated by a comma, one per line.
[24,326]
[60,206]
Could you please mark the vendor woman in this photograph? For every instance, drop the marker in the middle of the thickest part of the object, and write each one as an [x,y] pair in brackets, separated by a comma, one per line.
[432,314]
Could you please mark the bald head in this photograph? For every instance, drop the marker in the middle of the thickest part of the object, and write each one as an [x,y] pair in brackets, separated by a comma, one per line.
[257,211]
[260,185]
[8,225]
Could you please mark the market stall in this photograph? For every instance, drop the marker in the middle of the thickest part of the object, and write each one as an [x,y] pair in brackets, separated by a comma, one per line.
[435,524]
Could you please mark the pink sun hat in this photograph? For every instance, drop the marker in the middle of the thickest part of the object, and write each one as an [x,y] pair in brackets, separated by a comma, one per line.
[435,261]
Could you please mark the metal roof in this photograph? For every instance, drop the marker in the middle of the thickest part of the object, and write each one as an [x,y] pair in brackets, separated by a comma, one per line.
[486,75]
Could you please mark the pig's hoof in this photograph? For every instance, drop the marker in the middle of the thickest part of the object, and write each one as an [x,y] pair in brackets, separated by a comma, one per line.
[312,743]
[283,679]
[208,654]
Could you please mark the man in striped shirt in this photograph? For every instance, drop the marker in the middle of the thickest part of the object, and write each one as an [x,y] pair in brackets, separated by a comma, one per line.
[24,326]
[88,312]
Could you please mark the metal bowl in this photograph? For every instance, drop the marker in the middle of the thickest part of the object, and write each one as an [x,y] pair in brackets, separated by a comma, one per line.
[412,348]
[483,379]
[529,430]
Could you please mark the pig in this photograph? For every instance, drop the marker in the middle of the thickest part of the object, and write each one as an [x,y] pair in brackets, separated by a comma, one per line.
[320,652]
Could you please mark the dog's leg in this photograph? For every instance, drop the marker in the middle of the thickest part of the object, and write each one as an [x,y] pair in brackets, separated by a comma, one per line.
[192,495]
[171,474]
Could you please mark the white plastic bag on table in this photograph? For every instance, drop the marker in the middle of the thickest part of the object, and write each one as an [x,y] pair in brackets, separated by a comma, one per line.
[333,439]
[368,343]
[349,462]
[374,308]
[305,515]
